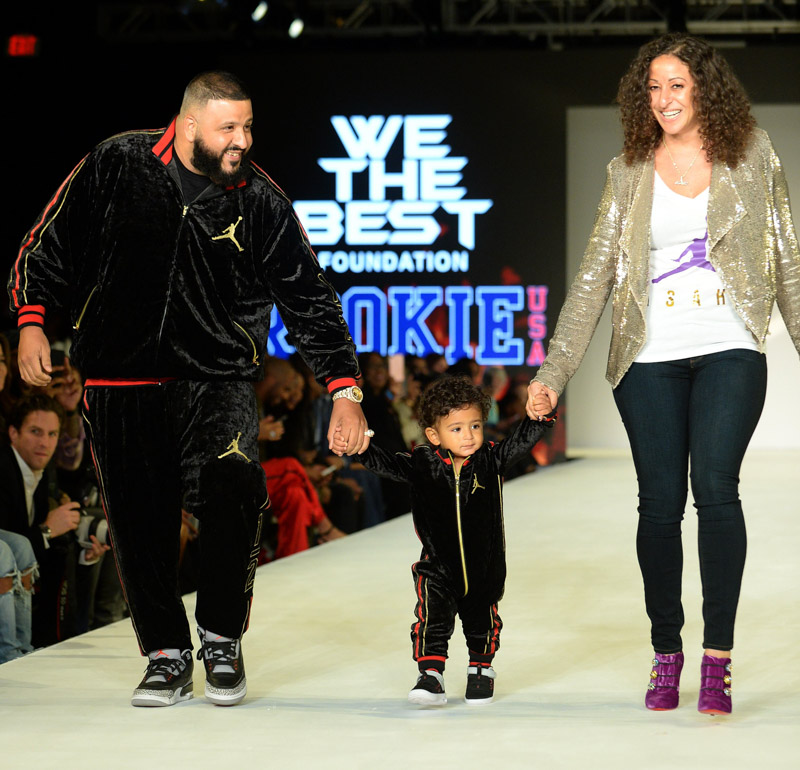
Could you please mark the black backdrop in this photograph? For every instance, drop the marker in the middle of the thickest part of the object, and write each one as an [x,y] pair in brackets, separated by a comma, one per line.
[509,121]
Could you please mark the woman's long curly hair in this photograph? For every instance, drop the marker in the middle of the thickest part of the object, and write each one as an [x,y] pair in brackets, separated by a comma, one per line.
[720,102]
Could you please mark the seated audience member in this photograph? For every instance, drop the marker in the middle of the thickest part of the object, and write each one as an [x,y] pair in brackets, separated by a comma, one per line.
[17,573]
[382,418]
[415,366]
[18,568]
[496,383]
[296,506]
[5,398]
[98,594]
[364,487]
[66,387]
[34,426]
[406,407]
[468,367]
[436,363]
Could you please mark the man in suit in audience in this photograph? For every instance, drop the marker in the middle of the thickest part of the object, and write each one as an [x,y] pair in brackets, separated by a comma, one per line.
[33,429]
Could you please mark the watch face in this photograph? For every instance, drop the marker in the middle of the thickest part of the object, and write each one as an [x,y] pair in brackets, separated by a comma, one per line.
[358,396]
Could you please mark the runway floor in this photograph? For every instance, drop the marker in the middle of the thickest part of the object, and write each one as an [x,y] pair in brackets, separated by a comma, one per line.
[328,656]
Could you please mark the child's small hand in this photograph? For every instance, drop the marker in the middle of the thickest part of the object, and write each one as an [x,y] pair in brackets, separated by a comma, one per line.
[541,400]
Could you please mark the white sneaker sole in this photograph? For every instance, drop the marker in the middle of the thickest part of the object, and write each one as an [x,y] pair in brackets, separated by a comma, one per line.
[156,698]
[425,698]
[226,697]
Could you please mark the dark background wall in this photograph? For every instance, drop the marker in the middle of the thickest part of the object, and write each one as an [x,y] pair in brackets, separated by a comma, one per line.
[510,107]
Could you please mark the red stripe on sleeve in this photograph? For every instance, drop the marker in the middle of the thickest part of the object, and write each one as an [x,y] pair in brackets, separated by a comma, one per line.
[337,383]
[36,228]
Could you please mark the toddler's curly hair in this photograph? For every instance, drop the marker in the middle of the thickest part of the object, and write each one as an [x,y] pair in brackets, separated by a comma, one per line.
[447,393]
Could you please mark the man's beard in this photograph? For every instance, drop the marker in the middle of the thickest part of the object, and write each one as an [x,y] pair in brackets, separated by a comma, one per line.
[211,165]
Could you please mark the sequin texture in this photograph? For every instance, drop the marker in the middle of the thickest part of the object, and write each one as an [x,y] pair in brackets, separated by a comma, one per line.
[752,245]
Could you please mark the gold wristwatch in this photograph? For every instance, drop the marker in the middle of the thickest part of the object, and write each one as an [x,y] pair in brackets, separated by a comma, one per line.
[353,393]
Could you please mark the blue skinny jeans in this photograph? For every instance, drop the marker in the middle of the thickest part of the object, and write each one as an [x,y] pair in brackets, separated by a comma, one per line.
[700,413]
[16,561]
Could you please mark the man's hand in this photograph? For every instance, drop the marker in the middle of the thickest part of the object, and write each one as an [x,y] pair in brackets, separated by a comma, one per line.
[34,356]
[91,555]
[65,385]
[270,429]
[347,431]
[539,397]
[63,519]
[314,473]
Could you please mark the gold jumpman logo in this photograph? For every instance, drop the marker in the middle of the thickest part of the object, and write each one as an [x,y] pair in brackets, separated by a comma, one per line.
[228,232]
[476,485]
[233,449]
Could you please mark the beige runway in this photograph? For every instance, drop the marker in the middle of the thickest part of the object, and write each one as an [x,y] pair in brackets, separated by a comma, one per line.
[329,664]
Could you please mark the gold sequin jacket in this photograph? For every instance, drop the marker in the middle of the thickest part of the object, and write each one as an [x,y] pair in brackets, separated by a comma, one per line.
[752,245]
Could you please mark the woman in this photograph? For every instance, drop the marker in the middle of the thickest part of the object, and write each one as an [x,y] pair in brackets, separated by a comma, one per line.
[695,238]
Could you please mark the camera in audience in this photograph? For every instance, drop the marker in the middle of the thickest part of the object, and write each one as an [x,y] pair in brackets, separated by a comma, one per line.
[92,523]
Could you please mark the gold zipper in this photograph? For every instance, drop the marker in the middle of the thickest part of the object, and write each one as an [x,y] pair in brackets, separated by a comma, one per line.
[252,342]
[502,513]
[77,324]
[460,533]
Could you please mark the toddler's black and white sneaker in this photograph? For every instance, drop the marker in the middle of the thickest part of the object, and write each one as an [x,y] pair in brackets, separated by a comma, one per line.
[429,689]
[480,685]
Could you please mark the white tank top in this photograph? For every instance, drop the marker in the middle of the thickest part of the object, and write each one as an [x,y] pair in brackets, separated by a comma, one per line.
[688,314]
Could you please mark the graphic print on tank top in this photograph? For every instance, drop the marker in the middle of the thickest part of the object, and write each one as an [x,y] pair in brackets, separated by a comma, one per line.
[698,258]
[689,312]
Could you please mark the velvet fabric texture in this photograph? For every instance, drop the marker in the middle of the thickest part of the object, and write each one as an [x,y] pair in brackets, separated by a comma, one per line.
[663,690]
[715,686]
[435,612]
[157,288]
[459,520]
[160,448]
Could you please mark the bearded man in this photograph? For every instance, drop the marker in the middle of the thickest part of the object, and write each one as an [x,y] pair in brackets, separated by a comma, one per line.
[169,249]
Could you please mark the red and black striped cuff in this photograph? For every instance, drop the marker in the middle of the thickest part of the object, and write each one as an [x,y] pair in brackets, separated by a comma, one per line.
[339,383]
[30,315]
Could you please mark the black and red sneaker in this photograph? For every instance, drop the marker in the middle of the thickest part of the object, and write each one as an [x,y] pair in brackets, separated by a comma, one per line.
[167,680]
[480,685]
[429,689]
[222,659]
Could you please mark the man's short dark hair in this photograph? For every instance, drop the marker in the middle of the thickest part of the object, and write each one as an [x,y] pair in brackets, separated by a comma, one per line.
[447,393]
[214,86]
[36,402]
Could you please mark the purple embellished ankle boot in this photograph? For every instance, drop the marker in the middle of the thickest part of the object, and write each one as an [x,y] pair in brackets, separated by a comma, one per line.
[665,680]
[715,686]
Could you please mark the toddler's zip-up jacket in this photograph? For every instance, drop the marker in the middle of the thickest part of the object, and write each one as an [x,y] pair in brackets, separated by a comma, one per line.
[459,517]
[156,288]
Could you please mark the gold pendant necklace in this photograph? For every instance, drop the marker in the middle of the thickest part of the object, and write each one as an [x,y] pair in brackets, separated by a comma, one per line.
[681,180]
